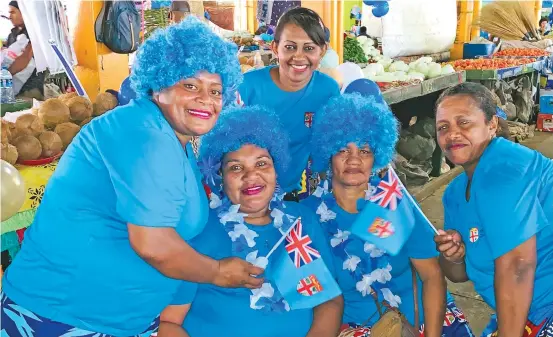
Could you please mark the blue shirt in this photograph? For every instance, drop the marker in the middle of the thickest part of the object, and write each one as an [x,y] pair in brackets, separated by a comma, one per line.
[296,111]
[359,308]
[511,200]
[77,265]
[216,311]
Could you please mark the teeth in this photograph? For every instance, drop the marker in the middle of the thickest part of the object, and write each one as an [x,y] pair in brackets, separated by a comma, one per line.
[299,67]
[254,189]
[198,113]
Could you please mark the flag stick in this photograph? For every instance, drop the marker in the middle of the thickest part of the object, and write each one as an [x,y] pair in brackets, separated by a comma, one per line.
[413,201]
[282,238]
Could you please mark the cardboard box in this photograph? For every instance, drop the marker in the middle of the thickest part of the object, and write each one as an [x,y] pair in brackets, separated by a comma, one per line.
[546,101]
[545,122]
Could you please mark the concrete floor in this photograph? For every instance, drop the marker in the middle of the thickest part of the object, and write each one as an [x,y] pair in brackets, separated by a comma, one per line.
[476,311]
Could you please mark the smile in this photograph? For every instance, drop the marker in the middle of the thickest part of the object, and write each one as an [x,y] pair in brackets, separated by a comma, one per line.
[254,190]
[200,114]
[299,68]
[454,147]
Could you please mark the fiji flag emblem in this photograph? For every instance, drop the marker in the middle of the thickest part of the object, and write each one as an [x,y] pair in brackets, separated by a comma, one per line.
[473,234]
[382,228]
[308,119]
[309,286]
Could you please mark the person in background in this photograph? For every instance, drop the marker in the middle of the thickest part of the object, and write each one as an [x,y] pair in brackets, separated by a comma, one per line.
[34,87]
[363,37]
[108,246]
[331,59]
[498,215]
[294,88]
[545,28]
[179,10]
[353,140]
[251,150]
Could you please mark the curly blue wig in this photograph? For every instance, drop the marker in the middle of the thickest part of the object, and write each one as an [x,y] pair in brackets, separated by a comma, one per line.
[354,118]
[179,52]
[254,125]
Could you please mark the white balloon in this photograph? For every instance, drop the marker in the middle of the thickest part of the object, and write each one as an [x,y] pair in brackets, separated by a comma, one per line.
[350,72]
[12,190]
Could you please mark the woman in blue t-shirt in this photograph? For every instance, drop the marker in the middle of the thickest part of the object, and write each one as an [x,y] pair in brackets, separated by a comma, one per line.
[353,139]
[498,215]
[108,244]
[294,88]
[249,149]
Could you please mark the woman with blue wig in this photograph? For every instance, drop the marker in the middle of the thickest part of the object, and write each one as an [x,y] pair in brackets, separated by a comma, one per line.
[294,88]
[248,217]
[354,137]
[107,249]
[498,215]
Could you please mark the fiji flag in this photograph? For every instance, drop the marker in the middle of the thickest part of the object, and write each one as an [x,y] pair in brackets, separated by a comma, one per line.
[300,273]
[389,216]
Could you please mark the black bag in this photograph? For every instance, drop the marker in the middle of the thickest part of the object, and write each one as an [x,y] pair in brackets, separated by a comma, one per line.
[118,26]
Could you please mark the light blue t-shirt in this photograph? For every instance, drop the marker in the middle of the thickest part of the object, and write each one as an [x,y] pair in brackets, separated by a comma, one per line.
[358,308]
[511,200]
[296,111]
[219,311]
[76,265]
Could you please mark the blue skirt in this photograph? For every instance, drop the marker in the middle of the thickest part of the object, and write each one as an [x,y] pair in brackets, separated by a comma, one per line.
[20,322]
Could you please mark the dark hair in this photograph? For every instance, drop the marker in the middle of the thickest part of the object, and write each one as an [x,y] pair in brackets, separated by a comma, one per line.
[327,35]
[14,4]
[305,18]
[363,30]
[479,93]
[543,19]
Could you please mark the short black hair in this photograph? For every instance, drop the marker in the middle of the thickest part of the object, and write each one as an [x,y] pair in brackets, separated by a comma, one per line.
[363,30]
[479,93]
[543,19]
[14,4]
[305,18]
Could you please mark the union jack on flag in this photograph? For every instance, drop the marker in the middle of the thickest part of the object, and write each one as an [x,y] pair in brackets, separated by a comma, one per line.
[309,286]
[389,192]
[298,247]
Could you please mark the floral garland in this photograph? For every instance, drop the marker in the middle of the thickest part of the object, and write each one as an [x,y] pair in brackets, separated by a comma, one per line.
[372,270]
[266,298]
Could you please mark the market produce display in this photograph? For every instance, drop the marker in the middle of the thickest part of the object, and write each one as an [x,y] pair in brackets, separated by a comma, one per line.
[353,52]
[386,70]
[523,52]
[50,128]
[489,64]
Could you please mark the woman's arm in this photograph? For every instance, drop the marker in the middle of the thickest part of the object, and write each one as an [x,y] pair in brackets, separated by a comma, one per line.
[22,60]
[433,295]
[166,251]
[452,258]
[514,286]
[327,318]
[171,321]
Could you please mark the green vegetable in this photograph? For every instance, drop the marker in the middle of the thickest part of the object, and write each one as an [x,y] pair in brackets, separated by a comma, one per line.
[353,52]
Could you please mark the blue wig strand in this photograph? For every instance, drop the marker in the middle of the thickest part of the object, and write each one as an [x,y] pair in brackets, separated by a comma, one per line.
[354,118]
[238,126]
[179,52]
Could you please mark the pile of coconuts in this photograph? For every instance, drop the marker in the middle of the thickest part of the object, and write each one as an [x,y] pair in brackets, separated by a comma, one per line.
[49,129]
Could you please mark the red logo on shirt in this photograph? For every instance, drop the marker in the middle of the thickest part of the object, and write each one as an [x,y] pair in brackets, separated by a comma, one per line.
[308,119]
[473,235]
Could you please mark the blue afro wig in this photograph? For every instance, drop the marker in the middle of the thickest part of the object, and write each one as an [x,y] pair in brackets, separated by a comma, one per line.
[254,125]
[179,52]
[354,118]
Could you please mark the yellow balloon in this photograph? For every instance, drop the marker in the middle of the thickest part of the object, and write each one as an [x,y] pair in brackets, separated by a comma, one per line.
[12,190]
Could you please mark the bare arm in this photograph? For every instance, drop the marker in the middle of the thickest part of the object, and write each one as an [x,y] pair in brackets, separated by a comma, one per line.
[327,318]
[171,321]
[22,61]
[452,257]
[433,295]
[166,251]
[514,286]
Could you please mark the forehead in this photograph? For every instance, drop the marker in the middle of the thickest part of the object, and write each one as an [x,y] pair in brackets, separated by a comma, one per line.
[208,77]
[12,10]
[458,105]
[295,33]
[246,152]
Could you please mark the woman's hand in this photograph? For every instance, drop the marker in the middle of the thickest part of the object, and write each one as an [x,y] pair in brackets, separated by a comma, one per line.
[451,245]
[237,273]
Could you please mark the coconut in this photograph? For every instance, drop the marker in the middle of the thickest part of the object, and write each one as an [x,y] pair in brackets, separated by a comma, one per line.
[28,147]
[29,124]
[80,108]
[104,102]
[51,143]
[67,131]
[53,112]
[5,132]
[66,97]
[9,153]
[85,122]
